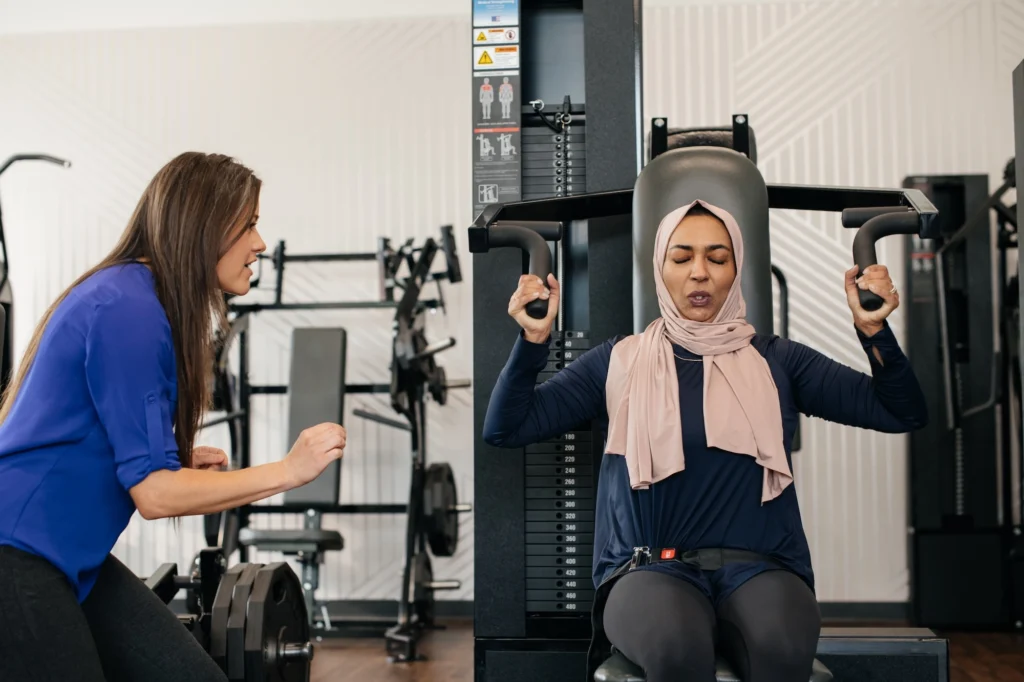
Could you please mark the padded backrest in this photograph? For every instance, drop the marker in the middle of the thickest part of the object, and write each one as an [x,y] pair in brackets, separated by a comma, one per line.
[721,177]
[316,390]
[720,136]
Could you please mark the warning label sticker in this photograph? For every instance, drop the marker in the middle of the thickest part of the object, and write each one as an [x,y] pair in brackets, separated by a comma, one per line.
[498,57]
[496,36]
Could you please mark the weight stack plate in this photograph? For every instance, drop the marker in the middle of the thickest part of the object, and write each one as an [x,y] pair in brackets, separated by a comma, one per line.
[560,501]
[277,617]
[554,164]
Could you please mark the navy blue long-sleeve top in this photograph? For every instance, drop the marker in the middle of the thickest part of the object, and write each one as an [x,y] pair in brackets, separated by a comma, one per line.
[716,501]
[92,419]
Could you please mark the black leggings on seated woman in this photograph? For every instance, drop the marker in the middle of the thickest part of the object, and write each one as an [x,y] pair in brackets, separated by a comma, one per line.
[121,631]
[767,629]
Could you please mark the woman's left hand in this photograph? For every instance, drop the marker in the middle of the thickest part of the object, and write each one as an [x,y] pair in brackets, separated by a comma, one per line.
[208,457]
[875,278]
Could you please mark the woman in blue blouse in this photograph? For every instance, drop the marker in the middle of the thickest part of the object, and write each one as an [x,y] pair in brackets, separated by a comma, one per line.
[698,541]
[100,421]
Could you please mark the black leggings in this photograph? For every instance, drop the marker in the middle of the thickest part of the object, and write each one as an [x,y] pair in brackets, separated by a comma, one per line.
[122,631]
[767,629]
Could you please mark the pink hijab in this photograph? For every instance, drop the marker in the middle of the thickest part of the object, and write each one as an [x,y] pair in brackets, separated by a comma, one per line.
[741,402]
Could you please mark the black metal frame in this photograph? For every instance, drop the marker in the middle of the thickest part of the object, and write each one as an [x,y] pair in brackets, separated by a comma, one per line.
[780,277]
[957,506]
[620,202]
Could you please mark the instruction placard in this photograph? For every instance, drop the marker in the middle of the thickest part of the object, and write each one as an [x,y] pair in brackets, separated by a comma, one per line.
[495,13]
[496,36]
[497,171]
[498,57]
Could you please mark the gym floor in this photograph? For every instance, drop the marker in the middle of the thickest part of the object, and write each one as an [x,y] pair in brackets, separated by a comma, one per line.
[974,657]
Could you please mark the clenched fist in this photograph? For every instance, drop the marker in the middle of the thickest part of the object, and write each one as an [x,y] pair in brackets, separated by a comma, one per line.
[209,457]
[314,449]
[530,289]
[875,279]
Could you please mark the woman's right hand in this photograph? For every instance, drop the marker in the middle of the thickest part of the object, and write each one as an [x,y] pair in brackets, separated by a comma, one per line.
[531,288]
[314,449]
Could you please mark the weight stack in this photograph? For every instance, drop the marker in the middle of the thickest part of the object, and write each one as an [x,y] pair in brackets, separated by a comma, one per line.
[560,495]
[554,163]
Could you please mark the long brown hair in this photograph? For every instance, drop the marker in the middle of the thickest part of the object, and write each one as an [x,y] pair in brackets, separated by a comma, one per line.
[193,210]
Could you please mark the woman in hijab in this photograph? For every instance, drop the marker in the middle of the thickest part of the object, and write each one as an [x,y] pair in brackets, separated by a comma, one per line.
[698,542]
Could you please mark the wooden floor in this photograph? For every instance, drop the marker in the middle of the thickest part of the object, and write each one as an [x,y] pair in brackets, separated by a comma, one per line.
[973,658]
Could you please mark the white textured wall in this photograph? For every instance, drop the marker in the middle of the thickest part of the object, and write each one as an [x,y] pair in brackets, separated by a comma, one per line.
[358,127]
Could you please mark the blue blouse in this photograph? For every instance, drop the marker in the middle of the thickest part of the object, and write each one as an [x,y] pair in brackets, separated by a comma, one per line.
[93,418]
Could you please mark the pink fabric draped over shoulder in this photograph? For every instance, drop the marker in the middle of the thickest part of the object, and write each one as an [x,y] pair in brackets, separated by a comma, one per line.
[741,402]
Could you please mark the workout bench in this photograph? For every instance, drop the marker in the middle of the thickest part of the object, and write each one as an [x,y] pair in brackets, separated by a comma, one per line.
[317,381]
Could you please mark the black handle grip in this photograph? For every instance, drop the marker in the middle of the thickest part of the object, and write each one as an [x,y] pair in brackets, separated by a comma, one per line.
[530,241]
[856,217]
[881,225]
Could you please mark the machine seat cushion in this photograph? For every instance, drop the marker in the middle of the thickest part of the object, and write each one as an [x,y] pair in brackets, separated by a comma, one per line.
[618,668]
[292,540]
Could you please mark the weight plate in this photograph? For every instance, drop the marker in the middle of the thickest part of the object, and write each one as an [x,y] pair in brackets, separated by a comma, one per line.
[439,500]
[277,647]
[236,622]
[219,618]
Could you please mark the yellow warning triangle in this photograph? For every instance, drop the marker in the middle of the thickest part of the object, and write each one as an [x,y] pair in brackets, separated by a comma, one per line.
[485,58]
[481,36]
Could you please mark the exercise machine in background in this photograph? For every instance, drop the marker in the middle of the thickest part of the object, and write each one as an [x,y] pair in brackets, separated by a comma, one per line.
[317,389]
[965,466]
[6,292]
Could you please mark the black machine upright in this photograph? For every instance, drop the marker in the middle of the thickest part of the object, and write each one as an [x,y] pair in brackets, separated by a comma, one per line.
[965,465]
[534,590]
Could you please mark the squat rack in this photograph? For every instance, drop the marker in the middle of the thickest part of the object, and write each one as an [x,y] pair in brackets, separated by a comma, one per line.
[235,400]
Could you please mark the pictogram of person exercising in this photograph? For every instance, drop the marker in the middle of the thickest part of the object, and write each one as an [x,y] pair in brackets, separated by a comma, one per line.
[506,144]
[486,149]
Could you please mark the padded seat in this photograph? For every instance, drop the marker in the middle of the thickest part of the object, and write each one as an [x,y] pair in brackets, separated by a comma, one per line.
[292,541]
[618,668]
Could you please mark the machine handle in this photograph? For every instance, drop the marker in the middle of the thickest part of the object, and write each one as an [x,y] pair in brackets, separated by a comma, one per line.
[881,225]
[856,217]
[534,241]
